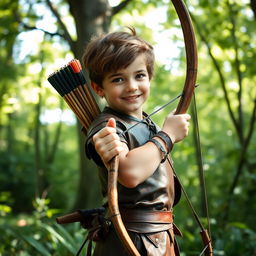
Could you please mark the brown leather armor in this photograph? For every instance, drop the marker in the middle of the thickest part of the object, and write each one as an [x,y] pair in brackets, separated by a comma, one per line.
[157,193]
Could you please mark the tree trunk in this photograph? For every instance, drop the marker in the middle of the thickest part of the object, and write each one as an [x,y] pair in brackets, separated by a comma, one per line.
[42,182]
[88,190]
[91,18]
[38,167]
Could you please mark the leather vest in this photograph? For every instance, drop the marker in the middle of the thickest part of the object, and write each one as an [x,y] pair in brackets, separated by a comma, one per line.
[158,192]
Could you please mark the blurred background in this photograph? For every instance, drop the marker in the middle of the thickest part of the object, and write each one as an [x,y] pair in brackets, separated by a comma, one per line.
[43,169]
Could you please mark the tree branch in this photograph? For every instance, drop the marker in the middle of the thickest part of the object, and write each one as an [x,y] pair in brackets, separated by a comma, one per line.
[52,152]
[238,72]
[252,124]
[244,150]
[253,7]
[221,76]
[119,7]
[66,34]
[241,162]
[28,27]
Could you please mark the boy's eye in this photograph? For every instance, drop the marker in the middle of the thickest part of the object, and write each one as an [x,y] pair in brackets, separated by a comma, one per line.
[117,80]
[140,75]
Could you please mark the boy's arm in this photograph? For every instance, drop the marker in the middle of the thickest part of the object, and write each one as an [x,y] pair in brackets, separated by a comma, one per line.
[138,164]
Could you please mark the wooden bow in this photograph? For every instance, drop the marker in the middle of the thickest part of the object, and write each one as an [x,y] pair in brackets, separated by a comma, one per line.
[188,90]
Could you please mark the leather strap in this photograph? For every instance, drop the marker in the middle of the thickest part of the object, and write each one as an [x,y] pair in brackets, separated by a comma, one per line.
[146,216]
[166,139]
[161,149]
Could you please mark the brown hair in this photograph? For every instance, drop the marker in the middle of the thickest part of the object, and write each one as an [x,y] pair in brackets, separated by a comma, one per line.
[114,51]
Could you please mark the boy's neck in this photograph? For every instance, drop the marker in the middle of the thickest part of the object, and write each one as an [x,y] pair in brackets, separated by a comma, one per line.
[120,113]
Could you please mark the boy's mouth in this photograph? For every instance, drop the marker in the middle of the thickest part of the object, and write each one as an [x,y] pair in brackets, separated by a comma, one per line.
[132,97]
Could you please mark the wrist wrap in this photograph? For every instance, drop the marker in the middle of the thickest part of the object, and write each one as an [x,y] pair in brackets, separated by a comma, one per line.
[166,139]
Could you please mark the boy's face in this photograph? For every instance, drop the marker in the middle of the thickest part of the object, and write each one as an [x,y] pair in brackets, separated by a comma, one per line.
[127,89]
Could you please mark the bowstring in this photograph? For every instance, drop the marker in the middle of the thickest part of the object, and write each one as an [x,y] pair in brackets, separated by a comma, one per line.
[153,113]
[200,159]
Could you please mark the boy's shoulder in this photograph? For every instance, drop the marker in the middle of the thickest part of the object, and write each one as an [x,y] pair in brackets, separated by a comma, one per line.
[102,119]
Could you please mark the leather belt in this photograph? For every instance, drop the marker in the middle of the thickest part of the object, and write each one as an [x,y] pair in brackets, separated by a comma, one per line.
[146,216]
[143,221]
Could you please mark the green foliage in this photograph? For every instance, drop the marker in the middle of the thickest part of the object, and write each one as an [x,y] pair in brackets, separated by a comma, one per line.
[38,234]
[24,95]
[238,239]
[15,182]
[4,207]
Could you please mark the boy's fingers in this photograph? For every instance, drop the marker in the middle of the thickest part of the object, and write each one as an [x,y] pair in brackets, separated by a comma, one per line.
[111,123]
[188,117]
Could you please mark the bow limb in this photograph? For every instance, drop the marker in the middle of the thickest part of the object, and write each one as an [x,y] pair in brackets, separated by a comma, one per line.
[189,86]
[191,56]
[114,209]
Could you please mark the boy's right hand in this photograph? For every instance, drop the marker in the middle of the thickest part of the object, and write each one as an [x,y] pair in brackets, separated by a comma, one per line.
[107,143]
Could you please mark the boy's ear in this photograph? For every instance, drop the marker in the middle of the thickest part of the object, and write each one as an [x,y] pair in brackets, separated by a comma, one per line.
[97,89]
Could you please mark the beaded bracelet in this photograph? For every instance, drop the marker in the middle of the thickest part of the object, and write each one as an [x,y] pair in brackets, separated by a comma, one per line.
[166,139]
[161,148]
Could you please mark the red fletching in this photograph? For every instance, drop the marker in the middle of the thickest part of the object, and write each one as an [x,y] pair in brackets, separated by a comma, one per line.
[79,64]
[75,65]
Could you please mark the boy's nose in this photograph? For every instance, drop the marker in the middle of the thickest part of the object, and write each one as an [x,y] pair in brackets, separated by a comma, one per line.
[132,85]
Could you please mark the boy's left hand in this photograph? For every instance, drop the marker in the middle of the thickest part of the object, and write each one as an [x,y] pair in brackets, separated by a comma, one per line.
[176,126]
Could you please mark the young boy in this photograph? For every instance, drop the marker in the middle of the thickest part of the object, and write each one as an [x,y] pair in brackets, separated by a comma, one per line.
[120,67]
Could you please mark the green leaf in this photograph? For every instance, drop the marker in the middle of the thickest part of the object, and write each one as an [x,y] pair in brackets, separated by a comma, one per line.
[66,235]
[238,225]
[37,245]
[71,246]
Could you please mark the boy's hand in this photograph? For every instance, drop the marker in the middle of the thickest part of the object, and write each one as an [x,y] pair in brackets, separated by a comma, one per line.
[107,142]
[176,126]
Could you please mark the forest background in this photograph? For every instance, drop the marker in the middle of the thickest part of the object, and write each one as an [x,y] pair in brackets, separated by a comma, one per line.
[43,169]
